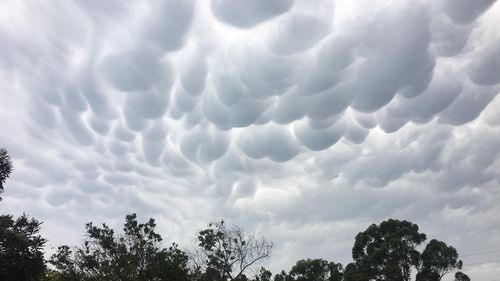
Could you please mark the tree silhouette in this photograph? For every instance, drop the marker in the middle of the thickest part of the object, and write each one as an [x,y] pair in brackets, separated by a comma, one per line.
[387,251]
[227,253]
[459,276]
[316,270]
[21,256]
[134,255]
[438,259]
[5,168]
[263,275]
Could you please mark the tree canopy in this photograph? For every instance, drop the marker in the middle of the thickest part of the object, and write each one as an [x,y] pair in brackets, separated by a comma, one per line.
[315,270]
[438,259]
[21,249]
[387,251]
[136,254]
[5,168]
[382,252]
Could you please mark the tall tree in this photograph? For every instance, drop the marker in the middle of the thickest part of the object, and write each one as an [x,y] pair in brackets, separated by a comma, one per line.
[387,251]
[226,253]
[5,168]
[21,255]
[438,259]
[134,255]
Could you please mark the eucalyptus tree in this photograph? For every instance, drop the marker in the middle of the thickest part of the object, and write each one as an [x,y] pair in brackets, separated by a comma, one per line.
[387,251]
[437,260]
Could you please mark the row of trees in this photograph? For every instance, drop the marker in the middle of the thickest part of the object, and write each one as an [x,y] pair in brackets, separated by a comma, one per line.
[382,252]
[387,251]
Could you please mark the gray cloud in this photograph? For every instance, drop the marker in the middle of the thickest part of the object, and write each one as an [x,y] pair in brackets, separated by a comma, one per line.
[464,12]
[273,142]
[246,13]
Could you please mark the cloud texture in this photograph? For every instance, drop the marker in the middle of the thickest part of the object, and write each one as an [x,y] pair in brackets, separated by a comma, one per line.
[305,120]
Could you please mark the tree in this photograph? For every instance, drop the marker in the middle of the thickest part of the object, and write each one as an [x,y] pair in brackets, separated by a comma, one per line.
[5,168]
[283,276]
[316,270]
[352,273]
[336,273]
[21,256]
[387,251]
[134,255]
[51,275]
[438,259]
[459,276]
[227,253]
[263,275]
[310,270]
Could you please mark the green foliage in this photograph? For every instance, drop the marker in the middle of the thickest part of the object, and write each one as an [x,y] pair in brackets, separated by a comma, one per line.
[283,276]
[335,270]
[226,253]
[21,256]
[459,276]
[134,255]
[381,252]
[316,270]
[353,273]
[387,251]
[5,168]
[52,275]
[310,270]
[263,275]
[438,259]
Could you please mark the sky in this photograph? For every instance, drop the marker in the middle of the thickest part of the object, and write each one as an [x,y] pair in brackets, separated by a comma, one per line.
[304,121]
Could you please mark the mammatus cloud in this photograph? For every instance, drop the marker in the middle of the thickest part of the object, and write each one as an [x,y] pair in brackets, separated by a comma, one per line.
[248,14]
[301,119]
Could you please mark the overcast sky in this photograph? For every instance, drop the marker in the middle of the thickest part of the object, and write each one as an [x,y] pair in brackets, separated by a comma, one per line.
[304,120]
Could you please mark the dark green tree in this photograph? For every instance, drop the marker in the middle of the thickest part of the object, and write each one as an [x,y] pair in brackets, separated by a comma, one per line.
[227,253]
[312,270]
[437,260]
[283,276]
[336,271]
[51,275]
[352,273]
[263,275]
[5,168]
[134,255]
[459,276]
[21,255]
[387,251]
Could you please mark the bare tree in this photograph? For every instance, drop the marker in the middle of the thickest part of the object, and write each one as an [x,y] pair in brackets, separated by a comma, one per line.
[228,252]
